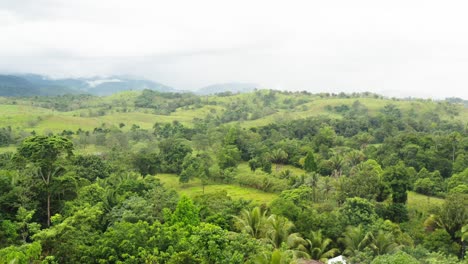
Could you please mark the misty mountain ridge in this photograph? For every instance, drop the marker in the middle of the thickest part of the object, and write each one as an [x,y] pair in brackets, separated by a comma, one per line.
[40,85]
[34,84]
[17,85]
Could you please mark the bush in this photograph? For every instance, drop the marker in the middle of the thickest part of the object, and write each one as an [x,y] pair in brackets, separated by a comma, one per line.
[262,182]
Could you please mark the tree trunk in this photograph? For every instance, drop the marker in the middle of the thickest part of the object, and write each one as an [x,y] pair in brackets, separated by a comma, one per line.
[48,208]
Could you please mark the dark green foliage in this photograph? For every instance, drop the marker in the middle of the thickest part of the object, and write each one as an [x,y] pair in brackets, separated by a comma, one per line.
[309,163]
[147,163]
[44,152]
[229,156]
[172,154]
[400,257]
[440,241]
[195,167]
[398,179]
[91,167]
[397,212]
[26,253]
[453,215]
[356,211]
[186,213]
[366,181]
[6,137]
[218,208]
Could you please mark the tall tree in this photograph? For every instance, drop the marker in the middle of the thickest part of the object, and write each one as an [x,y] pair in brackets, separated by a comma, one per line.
[398,178]
[44,154]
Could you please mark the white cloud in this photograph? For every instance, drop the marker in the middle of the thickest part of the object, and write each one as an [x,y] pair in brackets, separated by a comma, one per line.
[418,47]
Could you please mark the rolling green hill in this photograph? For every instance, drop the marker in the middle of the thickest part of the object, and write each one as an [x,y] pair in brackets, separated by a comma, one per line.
[253,109]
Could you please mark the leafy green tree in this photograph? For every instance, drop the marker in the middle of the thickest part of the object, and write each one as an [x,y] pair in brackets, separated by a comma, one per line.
[8,233]
[71,240]
[266,166]
[254,163]
[366,181]
[356,211]
[125,242]
[25,225]
[453,215]
[186,213]
[172,153]
[229,156]
[91,167]
[212,244]
[196,166]
[398,178]
[44,153]
[309,162]
[441,258]
[461,163]
[400,257]
[458,183]
[24,254]
[440,241]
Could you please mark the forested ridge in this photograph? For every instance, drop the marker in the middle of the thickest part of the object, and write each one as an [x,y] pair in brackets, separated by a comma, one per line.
[260,177]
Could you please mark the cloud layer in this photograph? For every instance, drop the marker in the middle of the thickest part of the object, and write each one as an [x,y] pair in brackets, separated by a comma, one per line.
[400,48]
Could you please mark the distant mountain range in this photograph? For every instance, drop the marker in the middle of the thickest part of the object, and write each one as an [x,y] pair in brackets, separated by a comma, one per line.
[34,84]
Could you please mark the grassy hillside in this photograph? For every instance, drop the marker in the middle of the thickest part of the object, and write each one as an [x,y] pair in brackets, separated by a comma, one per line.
[91,112]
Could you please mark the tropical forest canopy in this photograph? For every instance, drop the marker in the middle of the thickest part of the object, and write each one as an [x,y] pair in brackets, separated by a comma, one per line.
[259,177]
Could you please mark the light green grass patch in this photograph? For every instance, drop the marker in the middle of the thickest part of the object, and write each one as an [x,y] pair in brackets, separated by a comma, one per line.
[194,188]
[8,149]
[422,203]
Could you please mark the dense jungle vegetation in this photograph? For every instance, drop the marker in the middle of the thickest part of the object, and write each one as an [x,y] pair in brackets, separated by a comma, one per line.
[261,177]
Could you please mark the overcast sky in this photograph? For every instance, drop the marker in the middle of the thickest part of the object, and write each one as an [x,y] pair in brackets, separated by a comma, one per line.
[398,48]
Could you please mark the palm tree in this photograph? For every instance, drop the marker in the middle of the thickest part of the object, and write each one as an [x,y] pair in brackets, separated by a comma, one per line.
[312,181]
[279,232]
[326,186]
[337,163]
[317,247]
[383,243]
[464,236]
[354,157]
[278,256]
[279,157]
[355,239]
[252,222]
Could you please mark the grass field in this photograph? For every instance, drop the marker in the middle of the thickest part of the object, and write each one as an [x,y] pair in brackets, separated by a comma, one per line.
[194,188]
[422,203]
[22,114]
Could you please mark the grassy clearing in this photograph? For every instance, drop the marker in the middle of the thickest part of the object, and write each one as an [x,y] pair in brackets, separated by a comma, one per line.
[422,203]
[194,188]
[7,149]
